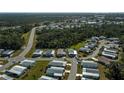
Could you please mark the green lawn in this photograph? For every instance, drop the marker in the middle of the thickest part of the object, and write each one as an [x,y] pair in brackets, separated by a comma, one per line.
[16,53]
[26,37]
[65,77]
[79,69]
[3,62]
[36,71]
[102,70]
[79,45]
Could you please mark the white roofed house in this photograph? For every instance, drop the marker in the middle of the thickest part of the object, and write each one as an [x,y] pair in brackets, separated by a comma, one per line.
[16,71]
[110,50]
[27,63]
[56,72]
[7,53]
[57,63]
[90,73]
[89,64]
[37,53]
[49,53]
[72,53]
[6,77]
[47,78]
[85,49]
[109,55]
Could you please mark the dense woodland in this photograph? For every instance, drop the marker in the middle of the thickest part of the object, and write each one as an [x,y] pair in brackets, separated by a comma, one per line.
[12,38]
[67,37]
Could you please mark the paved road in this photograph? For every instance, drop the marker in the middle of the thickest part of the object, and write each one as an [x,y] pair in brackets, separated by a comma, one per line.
[21,56]
[73,72]
[95,53]
[72,75]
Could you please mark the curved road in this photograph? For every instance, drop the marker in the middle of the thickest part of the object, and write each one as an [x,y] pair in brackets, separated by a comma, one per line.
[21,56]
[73,72]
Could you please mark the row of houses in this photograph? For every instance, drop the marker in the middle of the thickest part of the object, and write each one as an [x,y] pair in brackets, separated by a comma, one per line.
[17,70]
[89,47]
[89,70]
[52,53]
[55,70]
[110,50]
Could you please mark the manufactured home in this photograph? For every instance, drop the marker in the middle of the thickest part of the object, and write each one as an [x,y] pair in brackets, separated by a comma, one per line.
[89,64]
[16,71]
[27,63]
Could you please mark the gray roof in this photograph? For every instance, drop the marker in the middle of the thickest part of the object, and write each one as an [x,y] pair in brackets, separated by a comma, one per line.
[38,51]
[5,77]
[27,62]
[47,78]
[58,63]
[8,52]
[55,71]
[61,51]
[18,70]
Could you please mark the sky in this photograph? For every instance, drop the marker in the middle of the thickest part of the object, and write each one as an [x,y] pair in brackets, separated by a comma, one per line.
[61,5]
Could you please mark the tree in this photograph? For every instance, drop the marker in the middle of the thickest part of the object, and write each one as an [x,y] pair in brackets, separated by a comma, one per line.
[114,71]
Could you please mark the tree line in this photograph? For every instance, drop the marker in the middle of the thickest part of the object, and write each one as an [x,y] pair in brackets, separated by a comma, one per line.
[12,38]
[66,37]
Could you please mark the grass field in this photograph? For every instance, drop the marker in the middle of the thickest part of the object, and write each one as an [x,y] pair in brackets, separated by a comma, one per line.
[3,62]
[102,70]
[78,46]
[79,69]
[16,53]
[26,37]
[36,71]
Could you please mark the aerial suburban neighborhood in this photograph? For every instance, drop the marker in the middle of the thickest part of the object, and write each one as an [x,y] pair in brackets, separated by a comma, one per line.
[80,46]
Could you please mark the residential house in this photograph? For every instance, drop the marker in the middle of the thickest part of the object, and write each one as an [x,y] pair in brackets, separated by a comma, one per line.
[7,53]
[27,63]
[47,78]
[37,53]
[49,53]
[72,53]
[61,53]
[16,71]
[89,64]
